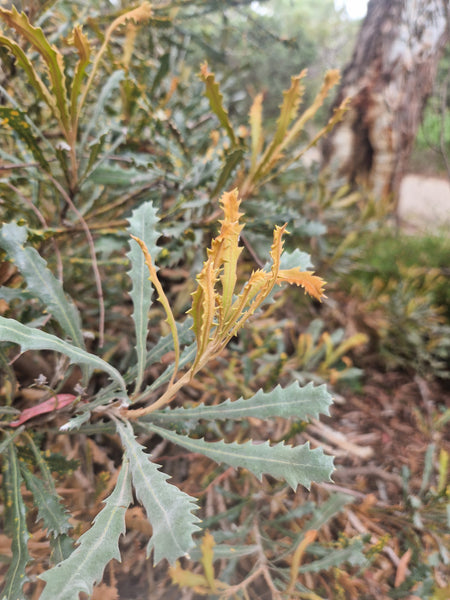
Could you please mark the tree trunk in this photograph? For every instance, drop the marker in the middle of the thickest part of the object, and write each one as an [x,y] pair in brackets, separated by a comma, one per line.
[389,77]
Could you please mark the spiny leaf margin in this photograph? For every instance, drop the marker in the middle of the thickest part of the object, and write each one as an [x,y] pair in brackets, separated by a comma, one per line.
[295,464]
[41,281]
[168,509]
[290,402]
[142,224]
[97,547]
[15,525]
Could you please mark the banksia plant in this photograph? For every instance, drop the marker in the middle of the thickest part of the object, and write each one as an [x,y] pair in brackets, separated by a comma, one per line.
[218,312]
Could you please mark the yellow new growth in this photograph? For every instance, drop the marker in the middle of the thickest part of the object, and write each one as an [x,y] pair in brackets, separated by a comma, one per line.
[217,311]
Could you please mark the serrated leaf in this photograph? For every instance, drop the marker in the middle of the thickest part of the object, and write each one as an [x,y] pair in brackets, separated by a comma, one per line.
[162,299]
[331,79]
[27,66]
[49,501]
[81,43]
[34,339]
[168,509]
[11,117]
[288,110]
[97,547]
[295,465]
[212,92]
[49,508]
[312,284]
[40,281]
[52,58]
[15,526]
[138,14]
[291,402]
[142,225]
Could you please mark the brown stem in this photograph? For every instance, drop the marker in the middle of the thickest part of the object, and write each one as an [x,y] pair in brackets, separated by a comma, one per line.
[90,239]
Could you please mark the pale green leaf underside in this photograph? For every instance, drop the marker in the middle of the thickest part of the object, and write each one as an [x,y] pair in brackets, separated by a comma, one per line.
[15,526]
[168,509]
[34,339]
[291,402]
[295,465]
[41,282]
[97,547]
[142,225]
[296,259]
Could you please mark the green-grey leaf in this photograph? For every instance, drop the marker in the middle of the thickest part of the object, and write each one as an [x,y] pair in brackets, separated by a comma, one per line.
[15,526]
[143,224]
[169,510]
[353,554]
[232,159]
[50,510]
[164,345]
[117,176]
[291,402]
[186,357]
[297,258]
[10,294]
[295,465]
[41,281]
[97,547]
[11,117]
[326,511]
[34,339]
[105,92]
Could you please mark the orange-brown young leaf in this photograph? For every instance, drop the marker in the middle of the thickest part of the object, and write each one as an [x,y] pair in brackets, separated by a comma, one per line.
[312,284]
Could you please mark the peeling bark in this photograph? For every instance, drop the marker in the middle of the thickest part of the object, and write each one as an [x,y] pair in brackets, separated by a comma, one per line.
[390,78]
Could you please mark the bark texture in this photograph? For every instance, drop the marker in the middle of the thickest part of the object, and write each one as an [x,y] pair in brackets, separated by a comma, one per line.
[390,78]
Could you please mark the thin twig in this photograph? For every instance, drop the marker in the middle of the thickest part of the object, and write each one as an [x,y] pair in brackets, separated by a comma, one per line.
[90,239]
